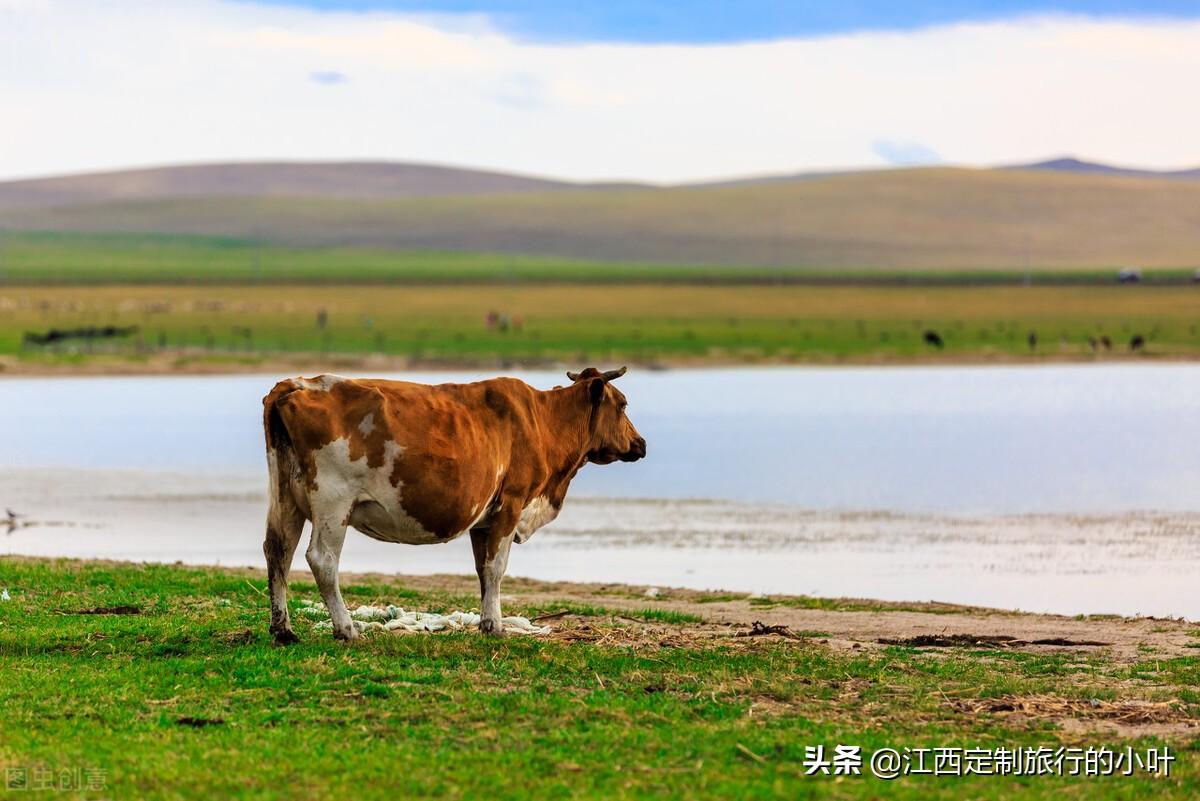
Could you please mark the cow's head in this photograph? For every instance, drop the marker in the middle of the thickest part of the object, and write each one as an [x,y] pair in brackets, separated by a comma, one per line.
[613,437]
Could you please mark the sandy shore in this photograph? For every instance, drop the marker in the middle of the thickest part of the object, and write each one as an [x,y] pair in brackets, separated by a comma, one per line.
[853,623]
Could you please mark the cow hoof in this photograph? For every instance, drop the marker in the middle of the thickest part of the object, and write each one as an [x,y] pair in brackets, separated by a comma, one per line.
[492,628]
[346,635]
[285,637]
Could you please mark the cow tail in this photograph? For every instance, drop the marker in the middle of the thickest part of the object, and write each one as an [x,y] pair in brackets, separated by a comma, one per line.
[281,455]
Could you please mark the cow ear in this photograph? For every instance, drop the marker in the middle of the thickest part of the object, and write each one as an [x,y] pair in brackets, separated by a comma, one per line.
[596,390]
[572,376]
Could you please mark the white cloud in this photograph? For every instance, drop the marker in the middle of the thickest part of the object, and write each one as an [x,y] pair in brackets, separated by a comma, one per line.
[85,85]
[904,153]
[328,77]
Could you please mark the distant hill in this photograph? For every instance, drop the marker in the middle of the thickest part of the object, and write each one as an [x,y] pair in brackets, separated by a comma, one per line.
[1064,164]
[365,180]
[267,179]
[905,219]
[1068,164]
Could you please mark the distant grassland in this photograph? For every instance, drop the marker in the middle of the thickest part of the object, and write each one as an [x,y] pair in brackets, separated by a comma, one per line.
[607,323]
[48,257]
[72,258]
[212,298]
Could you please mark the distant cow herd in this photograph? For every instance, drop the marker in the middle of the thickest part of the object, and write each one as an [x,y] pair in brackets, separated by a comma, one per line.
[1137,343]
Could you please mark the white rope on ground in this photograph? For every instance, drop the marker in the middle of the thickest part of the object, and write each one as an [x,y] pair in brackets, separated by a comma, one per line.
[396,618]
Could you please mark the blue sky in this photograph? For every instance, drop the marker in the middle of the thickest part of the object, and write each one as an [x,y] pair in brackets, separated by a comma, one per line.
[708,21]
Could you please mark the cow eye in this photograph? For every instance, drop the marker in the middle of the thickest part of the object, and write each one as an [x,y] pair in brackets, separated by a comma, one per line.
[622,406]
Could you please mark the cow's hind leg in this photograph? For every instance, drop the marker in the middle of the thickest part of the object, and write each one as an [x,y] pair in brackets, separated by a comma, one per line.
[324,553]
[285,522]
[491,560]
[284,526]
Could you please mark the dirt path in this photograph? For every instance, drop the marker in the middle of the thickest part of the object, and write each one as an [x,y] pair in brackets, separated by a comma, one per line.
[849,624]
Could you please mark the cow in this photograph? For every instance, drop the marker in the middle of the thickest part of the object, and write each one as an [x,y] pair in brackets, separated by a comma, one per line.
[933,339]
[420,464]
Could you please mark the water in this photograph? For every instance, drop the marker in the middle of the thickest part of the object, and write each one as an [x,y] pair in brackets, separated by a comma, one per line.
[1058,488]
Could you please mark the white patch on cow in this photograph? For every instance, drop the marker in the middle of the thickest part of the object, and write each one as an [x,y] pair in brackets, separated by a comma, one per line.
[536,514]
[321,383]
[273,511]
[365,496]
[367,424]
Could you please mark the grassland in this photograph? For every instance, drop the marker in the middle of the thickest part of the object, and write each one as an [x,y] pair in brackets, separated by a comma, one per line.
[48,258]
[642,324]
[55,258]
[213,303]
[187,698]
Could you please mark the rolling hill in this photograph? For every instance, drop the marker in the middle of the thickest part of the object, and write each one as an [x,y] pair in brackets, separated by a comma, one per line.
[268,179]
[1068,164]
[906,219]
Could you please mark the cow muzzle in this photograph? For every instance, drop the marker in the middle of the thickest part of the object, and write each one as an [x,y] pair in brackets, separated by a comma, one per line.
[636,451]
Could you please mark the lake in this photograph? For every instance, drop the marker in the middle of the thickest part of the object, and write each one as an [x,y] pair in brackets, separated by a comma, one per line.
[1065,488]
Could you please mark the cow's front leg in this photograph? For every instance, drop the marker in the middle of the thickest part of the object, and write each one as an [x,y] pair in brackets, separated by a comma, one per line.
[324,554]
[491,559]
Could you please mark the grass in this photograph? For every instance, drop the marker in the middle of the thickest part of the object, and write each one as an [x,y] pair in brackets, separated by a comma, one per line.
[850,605]
[664,616]
[49,258]
[67,258]
[650,615]
[189,699]
[581,324]
[229,302]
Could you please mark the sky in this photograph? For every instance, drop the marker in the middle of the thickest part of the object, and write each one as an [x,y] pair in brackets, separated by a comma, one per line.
[711,21]
[594,90]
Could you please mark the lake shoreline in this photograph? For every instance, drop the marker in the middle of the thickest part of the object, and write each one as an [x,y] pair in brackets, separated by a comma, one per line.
[848,623]
[187,364]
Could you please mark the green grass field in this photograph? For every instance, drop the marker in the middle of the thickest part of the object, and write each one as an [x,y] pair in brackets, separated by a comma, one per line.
[577,324]
[221,300]
[37,258]
[188,698]
[49,258]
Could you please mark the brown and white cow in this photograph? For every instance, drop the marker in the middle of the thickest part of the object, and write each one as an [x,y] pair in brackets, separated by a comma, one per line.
[414,463]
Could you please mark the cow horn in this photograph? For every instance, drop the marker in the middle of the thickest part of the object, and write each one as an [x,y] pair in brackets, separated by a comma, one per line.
[612,375]
[572,376]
